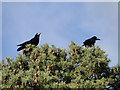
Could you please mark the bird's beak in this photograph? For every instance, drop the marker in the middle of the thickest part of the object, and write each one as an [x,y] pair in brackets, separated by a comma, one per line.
[98,39]
[38,33]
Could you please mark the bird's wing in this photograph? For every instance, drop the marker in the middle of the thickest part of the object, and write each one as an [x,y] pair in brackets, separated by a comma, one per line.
[32,41]
[23,44]
[87,42]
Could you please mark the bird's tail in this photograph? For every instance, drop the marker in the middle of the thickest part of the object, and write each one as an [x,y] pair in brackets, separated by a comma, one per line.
[19,45]
[83,45]
[20,48]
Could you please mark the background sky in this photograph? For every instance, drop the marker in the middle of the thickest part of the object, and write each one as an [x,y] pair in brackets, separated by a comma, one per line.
[59,23]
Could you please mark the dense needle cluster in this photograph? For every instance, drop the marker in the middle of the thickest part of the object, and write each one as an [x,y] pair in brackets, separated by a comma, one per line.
[51,67]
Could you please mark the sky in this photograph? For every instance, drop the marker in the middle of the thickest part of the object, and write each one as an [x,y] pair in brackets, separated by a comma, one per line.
[0,31]
[60,23]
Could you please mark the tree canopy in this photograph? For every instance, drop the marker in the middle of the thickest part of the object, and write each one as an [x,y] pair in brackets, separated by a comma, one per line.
[52,67]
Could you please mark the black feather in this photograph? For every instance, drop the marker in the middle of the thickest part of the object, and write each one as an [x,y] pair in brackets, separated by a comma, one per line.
[33,41]
[90,42]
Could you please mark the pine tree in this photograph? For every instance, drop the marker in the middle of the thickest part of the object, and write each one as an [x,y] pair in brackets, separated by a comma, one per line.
[51,67]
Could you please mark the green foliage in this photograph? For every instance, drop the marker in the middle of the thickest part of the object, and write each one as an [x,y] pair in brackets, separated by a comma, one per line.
[51,67]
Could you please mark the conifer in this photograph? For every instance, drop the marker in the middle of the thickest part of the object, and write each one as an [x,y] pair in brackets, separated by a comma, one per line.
[52,67]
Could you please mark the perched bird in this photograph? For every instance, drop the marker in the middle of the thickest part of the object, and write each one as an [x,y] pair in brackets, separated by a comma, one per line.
[33,41]
[90,42]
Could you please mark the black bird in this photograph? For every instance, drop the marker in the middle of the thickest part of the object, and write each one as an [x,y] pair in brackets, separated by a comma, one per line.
[33,41]
[90,42]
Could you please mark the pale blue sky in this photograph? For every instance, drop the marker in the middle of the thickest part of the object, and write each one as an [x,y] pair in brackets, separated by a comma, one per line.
[60,23]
